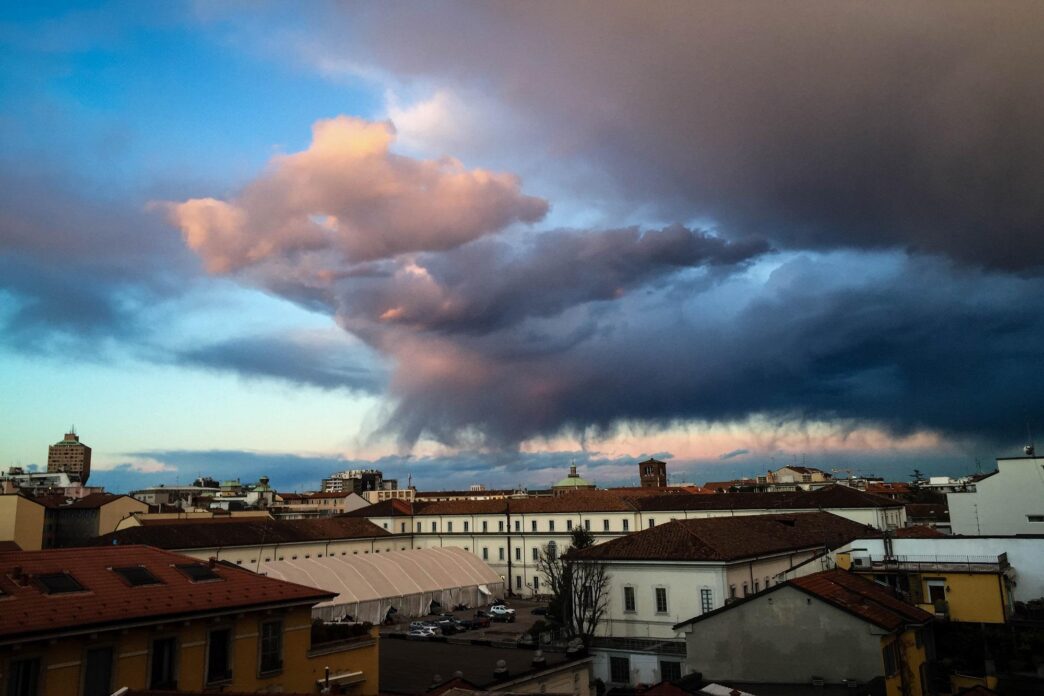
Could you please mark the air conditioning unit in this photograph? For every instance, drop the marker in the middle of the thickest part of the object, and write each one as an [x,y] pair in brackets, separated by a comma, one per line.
[860,562]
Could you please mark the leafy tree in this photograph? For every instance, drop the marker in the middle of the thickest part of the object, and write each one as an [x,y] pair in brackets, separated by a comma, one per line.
[579,589]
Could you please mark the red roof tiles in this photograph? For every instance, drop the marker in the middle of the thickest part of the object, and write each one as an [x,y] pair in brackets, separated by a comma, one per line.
[240,531]
[27,611]
[863,598]
[728,538]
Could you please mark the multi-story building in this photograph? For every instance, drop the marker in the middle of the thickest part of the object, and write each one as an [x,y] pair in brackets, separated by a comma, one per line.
[357,480]
[71,456]
[94,621]
[1009,501]
[510,533]
[828,628]
[76,521]
[663,575]
[22,521]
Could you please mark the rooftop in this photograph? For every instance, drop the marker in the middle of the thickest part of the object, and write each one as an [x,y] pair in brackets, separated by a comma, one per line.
[196,533]
[729,538]
[833,496]
[56,590]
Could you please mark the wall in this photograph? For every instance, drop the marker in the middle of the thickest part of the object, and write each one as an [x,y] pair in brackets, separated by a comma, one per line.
[785,636]
[249,556]
[63,660]
[570,678]
[1001,503]
[21,521]
[645,667]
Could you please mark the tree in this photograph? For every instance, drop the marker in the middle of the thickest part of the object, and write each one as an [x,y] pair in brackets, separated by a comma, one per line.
[579,588]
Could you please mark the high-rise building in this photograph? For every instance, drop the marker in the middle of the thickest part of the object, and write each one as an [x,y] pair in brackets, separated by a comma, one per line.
[71,456]
[653,473]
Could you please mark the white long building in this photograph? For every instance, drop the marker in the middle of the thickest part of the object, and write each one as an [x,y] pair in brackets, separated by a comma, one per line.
[1008,501]
[509,534]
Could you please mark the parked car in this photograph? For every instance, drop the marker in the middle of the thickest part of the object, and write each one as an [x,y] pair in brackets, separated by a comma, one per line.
[423,626]
[539,611]
[499,612]
[420,634]
[477,622]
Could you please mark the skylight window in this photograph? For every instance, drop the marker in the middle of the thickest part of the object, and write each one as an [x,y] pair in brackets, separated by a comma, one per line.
[59,583]
[136,576]
[198,572]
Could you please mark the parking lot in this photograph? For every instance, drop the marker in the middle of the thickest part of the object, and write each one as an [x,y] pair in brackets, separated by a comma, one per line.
[496,632]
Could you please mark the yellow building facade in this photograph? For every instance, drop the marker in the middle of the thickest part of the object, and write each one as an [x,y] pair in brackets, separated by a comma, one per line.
[21,521]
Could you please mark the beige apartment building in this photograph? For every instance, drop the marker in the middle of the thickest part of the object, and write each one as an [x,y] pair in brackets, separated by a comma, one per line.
[21,521]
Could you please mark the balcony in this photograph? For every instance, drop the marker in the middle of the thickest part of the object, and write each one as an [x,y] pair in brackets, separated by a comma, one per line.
[931,564]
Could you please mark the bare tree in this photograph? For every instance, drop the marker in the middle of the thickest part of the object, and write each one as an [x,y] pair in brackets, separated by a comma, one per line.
[579,588]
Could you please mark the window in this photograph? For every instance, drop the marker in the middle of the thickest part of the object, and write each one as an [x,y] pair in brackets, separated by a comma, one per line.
[485,553]
[757,586]
[271,646]
[500,553]
[136,576]
[163,671]
[626,525]
[746,590]
[449,526]
[536,554]
[661,600]
[418,527]
[485,526]
[97,672]
[936,590]
[198,572]
[518,553]
[629,598]
[536,583]
[569,525]
[219,655]
[652,522]
[24,677]
[732,592]
[534,525]
[433,526]
[605,525]
[552,550]
[518,582]
[1035,518]
[402,527]
[551,525]
[385,525]
[619,670]
[670,671]
[59,583]
[587,525]
[706,600]
[891,658]
[500,526]
[465,525]
[518,526]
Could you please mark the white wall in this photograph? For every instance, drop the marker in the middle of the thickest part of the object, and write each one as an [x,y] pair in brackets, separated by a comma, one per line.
[1001,503]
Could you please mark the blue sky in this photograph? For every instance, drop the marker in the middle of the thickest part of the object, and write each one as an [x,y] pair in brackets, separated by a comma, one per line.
[475,244]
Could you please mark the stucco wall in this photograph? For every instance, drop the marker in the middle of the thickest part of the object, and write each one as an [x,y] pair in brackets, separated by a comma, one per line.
[1001,503]
[21,521]
[784,636]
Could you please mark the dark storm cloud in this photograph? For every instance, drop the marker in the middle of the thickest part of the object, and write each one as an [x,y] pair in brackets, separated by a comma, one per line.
[492,284]
[321,363]
[904,343]
[819,124]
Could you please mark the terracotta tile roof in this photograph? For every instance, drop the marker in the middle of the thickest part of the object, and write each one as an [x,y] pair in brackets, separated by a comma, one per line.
[863,598]
[630,491]
[92,500]
[887,487]
[107,599]
[919,531]
[833,496]
[394,507]
[729,538]
[240,531]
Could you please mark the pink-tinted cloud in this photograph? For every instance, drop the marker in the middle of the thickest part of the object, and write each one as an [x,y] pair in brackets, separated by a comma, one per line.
[350,195]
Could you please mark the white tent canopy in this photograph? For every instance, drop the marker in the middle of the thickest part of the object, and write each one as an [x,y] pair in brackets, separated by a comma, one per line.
[368,585]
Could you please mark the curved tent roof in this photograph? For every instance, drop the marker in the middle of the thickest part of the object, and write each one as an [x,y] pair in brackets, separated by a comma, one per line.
[367,584]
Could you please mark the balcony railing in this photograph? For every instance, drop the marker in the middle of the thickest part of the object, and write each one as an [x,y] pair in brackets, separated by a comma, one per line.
[937,563]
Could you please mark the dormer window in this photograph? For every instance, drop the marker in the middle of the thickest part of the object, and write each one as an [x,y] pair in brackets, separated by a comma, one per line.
[59,583]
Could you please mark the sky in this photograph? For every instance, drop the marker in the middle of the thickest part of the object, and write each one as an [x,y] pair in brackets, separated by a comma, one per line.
[479,242]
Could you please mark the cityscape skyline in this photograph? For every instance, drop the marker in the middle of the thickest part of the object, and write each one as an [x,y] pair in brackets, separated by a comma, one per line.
[474,245]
